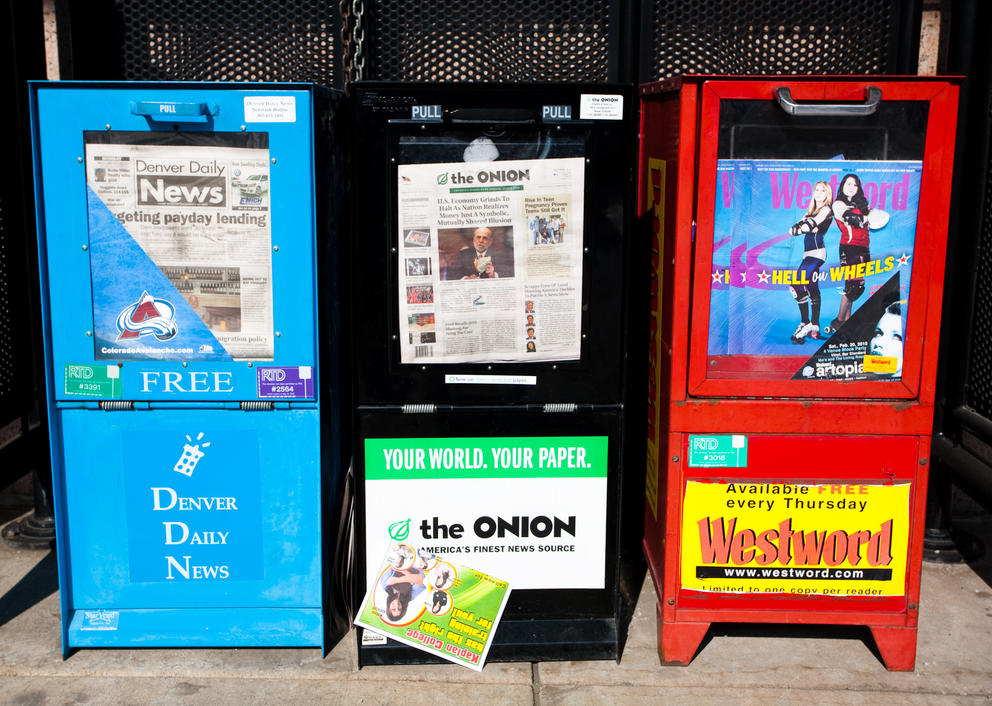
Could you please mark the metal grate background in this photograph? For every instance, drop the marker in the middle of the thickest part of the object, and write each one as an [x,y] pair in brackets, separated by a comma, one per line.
[203,40]
[978,389]
[509,41]
[778,37]
[12,358]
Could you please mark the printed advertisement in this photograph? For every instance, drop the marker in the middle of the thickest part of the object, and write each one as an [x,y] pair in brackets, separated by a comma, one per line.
[188,519]
[180,246]
[531,510]
[813,260]
[825,540]
[490,266]
[438,606]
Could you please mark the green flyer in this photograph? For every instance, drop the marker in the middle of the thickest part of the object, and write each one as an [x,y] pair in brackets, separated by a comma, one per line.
[427,602]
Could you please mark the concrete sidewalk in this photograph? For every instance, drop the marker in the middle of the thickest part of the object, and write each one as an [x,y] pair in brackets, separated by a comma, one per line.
[760,664]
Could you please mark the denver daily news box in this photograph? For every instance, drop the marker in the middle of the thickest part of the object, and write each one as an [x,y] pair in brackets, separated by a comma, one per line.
[178,238]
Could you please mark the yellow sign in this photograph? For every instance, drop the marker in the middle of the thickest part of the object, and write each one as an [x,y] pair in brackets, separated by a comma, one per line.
[655,190]
[880,364]
[826,540]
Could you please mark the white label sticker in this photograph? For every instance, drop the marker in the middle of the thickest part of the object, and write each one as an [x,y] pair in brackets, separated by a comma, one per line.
[372,638]
[595,106]
[270,109]
[99,619]
[490,379]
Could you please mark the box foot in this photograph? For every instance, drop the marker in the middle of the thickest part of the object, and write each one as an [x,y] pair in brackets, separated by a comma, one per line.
[897,646]
[678,641]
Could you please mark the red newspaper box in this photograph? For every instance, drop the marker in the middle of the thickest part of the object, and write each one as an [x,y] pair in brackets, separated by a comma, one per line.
[799,228]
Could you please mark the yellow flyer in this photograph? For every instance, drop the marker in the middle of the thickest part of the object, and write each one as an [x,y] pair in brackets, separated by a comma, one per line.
[827,540]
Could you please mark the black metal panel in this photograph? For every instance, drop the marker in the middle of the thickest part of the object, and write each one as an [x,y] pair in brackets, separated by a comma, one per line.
[21,383]
[962,451]
[612,300]
[978,388]
[778,37]
[537,624]
[201,40]
[508,41]
[12,356]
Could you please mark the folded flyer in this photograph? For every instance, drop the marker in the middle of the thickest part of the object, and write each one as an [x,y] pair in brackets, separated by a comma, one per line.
[427,602]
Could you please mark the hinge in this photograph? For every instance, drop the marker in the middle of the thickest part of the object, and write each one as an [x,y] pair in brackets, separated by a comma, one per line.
[257,406]
[117,405]
[429,408]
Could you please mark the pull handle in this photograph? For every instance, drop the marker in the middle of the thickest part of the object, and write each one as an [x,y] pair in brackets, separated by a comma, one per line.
[873,97]
[500,116]
[173,111]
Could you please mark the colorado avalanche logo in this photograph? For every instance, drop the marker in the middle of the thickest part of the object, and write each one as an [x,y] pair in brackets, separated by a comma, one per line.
[148,316]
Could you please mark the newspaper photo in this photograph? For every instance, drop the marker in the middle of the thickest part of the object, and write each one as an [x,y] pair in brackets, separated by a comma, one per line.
[180,246]
[424,600]
[490,266]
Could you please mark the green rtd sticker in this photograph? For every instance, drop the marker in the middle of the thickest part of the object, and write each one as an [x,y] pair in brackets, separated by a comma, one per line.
[718,451]
[83,380]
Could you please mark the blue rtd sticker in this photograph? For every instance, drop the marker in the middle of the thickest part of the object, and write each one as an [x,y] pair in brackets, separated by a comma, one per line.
[285,382]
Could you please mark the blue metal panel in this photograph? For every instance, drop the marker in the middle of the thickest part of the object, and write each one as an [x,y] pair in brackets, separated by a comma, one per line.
[241,530]
[184,521]
[64,112]
[196,627]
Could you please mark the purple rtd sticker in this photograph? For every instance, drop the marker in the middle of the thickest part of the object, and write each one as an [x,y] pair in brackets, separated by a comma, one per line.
[292,382]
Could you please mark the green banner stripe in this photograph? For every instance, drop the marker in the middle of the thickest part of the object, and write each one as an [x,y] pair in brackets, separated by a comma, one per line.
[476,189]
[483,457]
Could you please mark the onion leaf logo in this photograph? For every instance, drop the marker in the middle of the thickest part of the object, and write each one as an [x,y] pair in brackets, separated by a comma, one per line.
[442,179]
[398,531]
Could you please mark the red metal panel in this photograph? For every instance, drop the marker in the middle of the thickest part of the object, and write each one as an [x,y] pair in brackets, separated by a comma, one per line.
[681,235]
[802,458]
[735,378]
[891,429]
[737,415]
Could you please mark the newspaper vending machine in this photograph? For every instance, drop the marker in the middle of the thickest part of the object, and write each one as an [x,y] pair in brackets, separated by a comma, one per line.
[493,310]
[178,235]
[799,228]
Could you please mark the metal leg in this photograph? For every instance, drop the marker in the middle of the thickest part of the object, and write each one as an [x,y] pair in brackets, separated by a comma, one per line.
[678,642]
[897,647]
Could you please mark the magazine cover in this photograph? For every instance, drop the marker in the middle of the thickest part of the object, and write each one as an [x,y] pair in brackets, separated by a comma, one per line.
[828,252]
[423,600]
[741,190]
[720,273]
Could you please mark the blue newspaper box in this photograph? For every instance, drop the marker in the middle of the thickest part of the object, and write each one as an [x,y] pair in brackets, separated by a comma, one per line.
[180,241]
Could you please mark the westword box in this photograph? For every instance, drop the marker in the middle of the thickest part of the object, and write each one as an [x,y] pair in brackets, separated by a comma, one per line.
[798,231]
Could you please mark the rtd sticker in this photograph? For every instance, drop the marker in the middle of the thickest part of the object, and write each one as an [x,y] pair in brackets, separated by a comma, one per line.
[283,382]
[82,380]
[718,451]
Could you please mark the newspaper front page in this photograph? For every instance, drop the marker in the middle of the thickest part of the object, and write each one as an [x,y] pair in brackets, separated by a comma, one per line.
[490,266]
[202,215]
